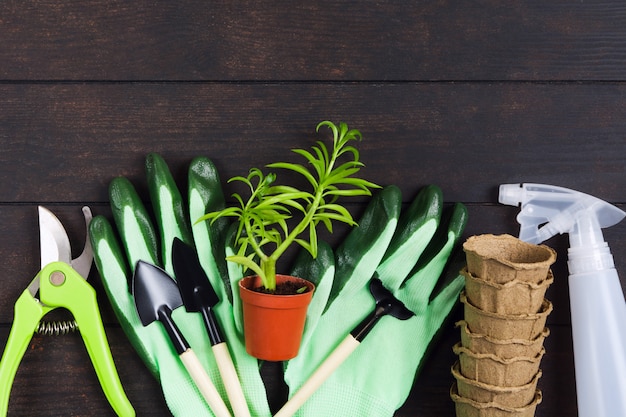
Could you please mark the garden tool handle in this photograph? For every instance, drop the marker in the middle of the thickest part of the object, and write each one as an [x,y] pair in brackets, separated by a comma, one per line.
[332,362]
[204,383]
[225,365]
[231,380]
[68,289]
[26,317]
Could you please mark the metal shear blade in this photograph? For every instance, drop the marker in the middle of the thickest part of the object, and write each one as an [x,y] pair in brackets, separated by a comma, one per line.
[55,244]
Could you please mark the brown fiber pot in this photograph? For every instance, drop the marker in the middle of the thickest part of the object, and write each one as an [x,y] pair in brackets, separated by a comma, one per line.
[273,324]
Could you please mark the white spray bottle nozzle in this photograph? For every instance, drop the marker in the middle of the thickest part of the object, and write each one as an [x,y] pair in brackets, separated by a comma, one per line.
[511,194]
[547,210]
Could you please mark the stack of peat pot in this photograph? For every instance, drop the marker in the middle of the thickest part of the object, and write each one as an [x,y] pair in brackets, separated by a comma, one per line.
[503,330]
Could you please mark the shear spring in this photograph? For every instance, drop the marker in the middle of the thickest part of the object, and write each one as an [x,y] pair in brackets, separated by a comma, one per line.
[57,328]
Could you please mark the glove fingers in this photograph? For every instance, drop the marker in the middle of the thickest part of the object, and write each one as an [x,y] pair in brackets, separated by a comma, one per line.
[235,272]
[113,270]
[427,272]
[438,311]
[360,253]
[314,269]
[138,235]
[168,208]
[319,271]
[205,195]
[139,238]
[133,223]
[142,242]
[446,299]
[416,227]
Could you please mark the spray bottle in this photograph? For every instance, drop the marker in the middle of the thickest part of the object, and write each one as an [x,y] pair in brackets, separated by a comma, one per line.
[597,303]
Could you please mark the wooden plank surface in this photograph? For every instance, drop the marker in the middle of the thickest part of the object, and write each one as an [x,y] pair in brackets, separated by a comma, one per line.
[321,40]
[465,95]
[57,136]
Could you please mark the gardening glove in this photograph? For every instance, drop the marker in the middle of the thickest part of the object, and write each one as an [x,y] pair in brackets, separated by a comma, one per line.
[141,241]
[408,255]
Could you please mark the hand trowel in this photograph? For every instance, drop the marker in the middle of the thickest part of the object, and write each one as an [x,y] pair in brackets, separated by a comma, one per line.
[386,304]
[156,296]
[199,296]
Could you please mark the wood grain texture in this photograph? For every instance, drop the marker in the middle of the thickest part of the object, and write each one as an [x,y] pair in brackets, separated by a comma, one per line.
[464,95]
[322,40]
[57,137]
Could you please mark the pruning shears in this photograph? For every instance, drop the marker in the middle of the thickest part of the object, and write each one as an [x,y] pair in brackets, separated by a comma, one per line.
[61,283]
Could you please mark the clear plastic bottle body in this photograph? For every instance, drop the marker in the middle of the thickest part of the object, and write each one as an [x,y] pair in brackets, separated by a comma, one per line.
[599,335]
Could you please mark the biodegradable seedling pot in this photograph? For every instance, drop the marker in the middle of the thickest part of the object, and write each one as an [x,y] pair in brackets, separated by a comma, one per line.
[273,324]
[512,297]
[481,392]
[503,258]
[469,408]
[506,326]
[493,370]
[504,348]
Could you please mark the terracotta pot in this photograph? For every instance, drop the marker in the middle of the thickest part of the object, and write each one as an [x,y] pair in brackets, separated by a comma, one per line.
[273,324]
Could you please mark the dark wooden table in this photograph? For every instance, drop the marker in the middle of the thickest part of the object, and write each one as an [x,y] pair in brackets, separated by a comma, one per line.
[465,95]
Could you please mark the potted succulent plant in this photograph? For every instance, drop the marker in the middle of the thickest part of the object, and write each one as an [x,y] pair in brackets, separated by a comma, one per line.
[274,217]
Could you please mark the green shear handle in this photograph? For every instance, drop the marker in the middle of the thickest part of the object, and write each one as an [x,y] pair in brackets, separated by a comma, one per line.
[59,285]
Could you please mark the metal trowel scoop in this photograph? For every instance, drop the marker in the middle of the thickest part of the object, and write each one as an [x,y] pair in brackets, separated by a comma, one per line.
[199,296]
[156,296]
[386,304]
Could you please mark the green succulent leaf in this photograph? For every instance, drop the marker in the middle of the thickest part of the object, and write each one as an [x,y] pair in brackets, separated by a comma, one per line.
[296,168]
[264,231]
[246,262]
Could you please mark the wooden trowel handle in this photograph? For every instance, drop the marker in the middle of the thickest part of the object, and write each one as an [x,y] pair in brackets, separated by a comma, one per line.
[204,383]
[332,362]
[231,380]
